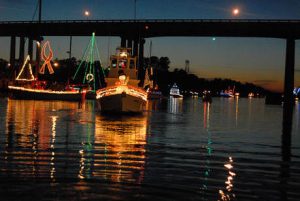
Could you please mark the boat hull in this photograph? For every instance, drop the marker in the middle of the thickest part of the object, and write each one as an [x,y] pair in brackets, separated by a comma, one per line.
[176,96]
[30,94]
[121,103]
[121,99]
[226,95]
[154,95]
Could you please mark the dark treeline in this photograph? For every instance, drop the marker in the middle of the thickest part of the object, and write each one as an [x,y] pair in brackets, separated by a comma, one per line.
[191,82]
[162,77]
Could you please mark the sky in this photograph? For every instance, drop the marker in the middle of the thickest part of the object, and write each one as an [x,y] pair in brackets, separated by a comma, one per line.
[257,60]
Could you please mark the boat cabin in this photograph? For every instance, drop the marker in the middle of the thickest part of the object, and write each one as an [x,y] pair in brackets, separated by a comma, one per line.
[123,61]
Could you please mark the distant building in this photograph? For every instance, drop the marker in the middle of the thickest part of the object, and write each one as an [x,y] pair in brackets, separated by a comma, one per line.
[187,66]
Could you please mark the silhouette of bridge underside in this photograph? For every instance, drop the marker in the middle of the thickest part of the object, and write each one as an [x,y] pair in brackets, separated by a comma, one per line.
[134,32]
[154,28]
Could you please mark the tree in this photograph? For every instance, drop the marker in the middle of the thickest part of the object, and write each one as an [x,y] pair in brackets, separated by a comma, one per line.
[164,63]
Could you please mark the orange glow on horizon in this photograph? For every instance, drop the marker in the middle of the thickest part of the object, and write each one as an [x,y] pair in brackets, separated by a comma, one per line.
[273,81]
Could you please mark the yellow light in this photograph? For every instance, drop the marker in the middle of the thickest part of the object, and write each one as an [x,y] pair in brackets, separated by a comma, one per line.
[86,13]
[228,166]
[119,89]
[235,11]
[56,64]
[43,90]
[123,54]
[27,60]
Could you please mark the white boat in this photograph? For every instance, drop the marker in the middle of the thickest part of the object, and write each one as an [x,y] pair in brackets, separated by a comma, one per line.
[122,94]
[175,92]
[153,92]
[227,93]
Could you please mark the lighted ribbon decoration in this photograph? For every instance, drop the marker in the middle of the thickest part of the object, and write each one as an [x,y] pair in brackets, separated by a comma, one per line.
[47,59]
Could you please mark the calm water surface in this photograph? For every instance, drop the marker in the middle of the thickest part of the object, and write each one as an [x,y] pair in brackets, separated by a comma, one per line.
[177,150]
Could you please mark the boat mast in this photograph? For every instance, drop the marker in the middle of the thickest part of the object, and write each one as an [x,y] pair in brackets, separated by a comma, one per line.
[38,45]
[40,11]
[70,61]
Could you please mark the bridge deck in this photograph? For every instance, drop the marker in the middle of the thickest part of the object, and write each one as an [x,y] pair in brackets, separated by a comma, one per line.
[155,28]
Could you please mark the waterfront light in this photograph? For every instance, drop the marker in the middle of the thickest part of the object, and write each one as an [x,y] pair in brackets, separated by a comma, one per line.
[56,64]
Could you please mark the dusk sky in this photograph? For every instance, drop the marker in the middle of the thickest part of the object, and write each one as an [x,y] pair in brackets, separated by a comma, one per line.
[257,60]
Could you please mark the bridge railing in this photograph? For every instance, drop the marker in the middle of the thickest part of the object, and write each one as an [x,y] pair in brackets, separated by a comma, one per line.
[156,20]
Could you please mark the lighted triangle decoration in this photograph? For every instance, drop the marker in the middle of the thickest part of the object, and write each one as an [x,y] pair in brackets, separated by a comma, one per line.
[25,73]
[47,59]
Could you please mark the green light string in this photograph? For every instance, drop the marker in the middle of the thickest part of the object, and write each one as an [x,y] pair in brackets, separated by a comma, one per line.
[82,60]
[92,69]
[89,56]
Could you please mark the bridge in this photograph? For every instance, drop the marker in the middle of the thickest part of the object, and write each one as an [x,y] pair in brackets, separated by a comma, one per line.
[154,28]
[134,32]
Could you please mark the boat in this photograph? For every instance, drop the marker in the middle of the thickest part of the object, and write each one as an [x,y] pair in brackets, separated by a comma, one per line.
[152,91]
[122,93]
[228,93]
[206,96]
[250,95]
[27,87]
[296,92]
[28,93]
[175,92]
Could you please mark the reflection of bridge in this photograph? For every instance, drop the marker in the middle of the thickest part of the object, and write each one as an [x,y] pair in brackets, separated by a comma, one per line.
[134,32]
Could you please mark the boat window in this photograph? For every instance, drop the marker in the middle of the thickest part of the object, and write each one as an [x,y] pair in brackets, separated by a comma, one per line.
[114,63]
[123,63]
[132,64]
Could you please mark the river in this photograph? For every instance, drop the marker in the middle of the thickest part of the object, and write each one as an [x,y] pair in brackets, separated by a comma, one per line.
[178,149]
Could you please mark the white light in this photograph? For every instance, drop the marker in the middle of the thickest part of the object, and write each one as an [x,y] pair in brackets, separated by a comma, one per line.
[123,54]
[235,11]
[114,90]
[43,90]
[86,13]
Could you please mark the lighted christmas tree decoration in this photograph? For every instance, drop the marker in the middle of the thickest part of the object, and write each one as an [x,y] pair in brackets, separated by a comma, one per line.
[22,76]
[47,59]
[92,73]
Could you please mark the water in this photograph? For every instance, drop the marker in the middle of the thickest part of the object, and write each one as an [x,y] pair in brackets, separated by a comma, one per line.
[178,150]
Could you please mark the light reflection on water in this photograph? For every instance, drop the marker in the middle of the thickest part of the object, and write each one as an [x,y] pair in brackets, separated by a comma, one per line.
[178,149]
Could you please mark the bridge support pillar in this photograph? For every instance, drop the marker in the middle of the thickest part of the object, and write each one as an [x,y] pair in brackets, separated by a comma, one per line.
[123,41]
[135,47]
[12,55]
[288,100]
[129,44]
[21,50]
[30,48]
[141,59]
